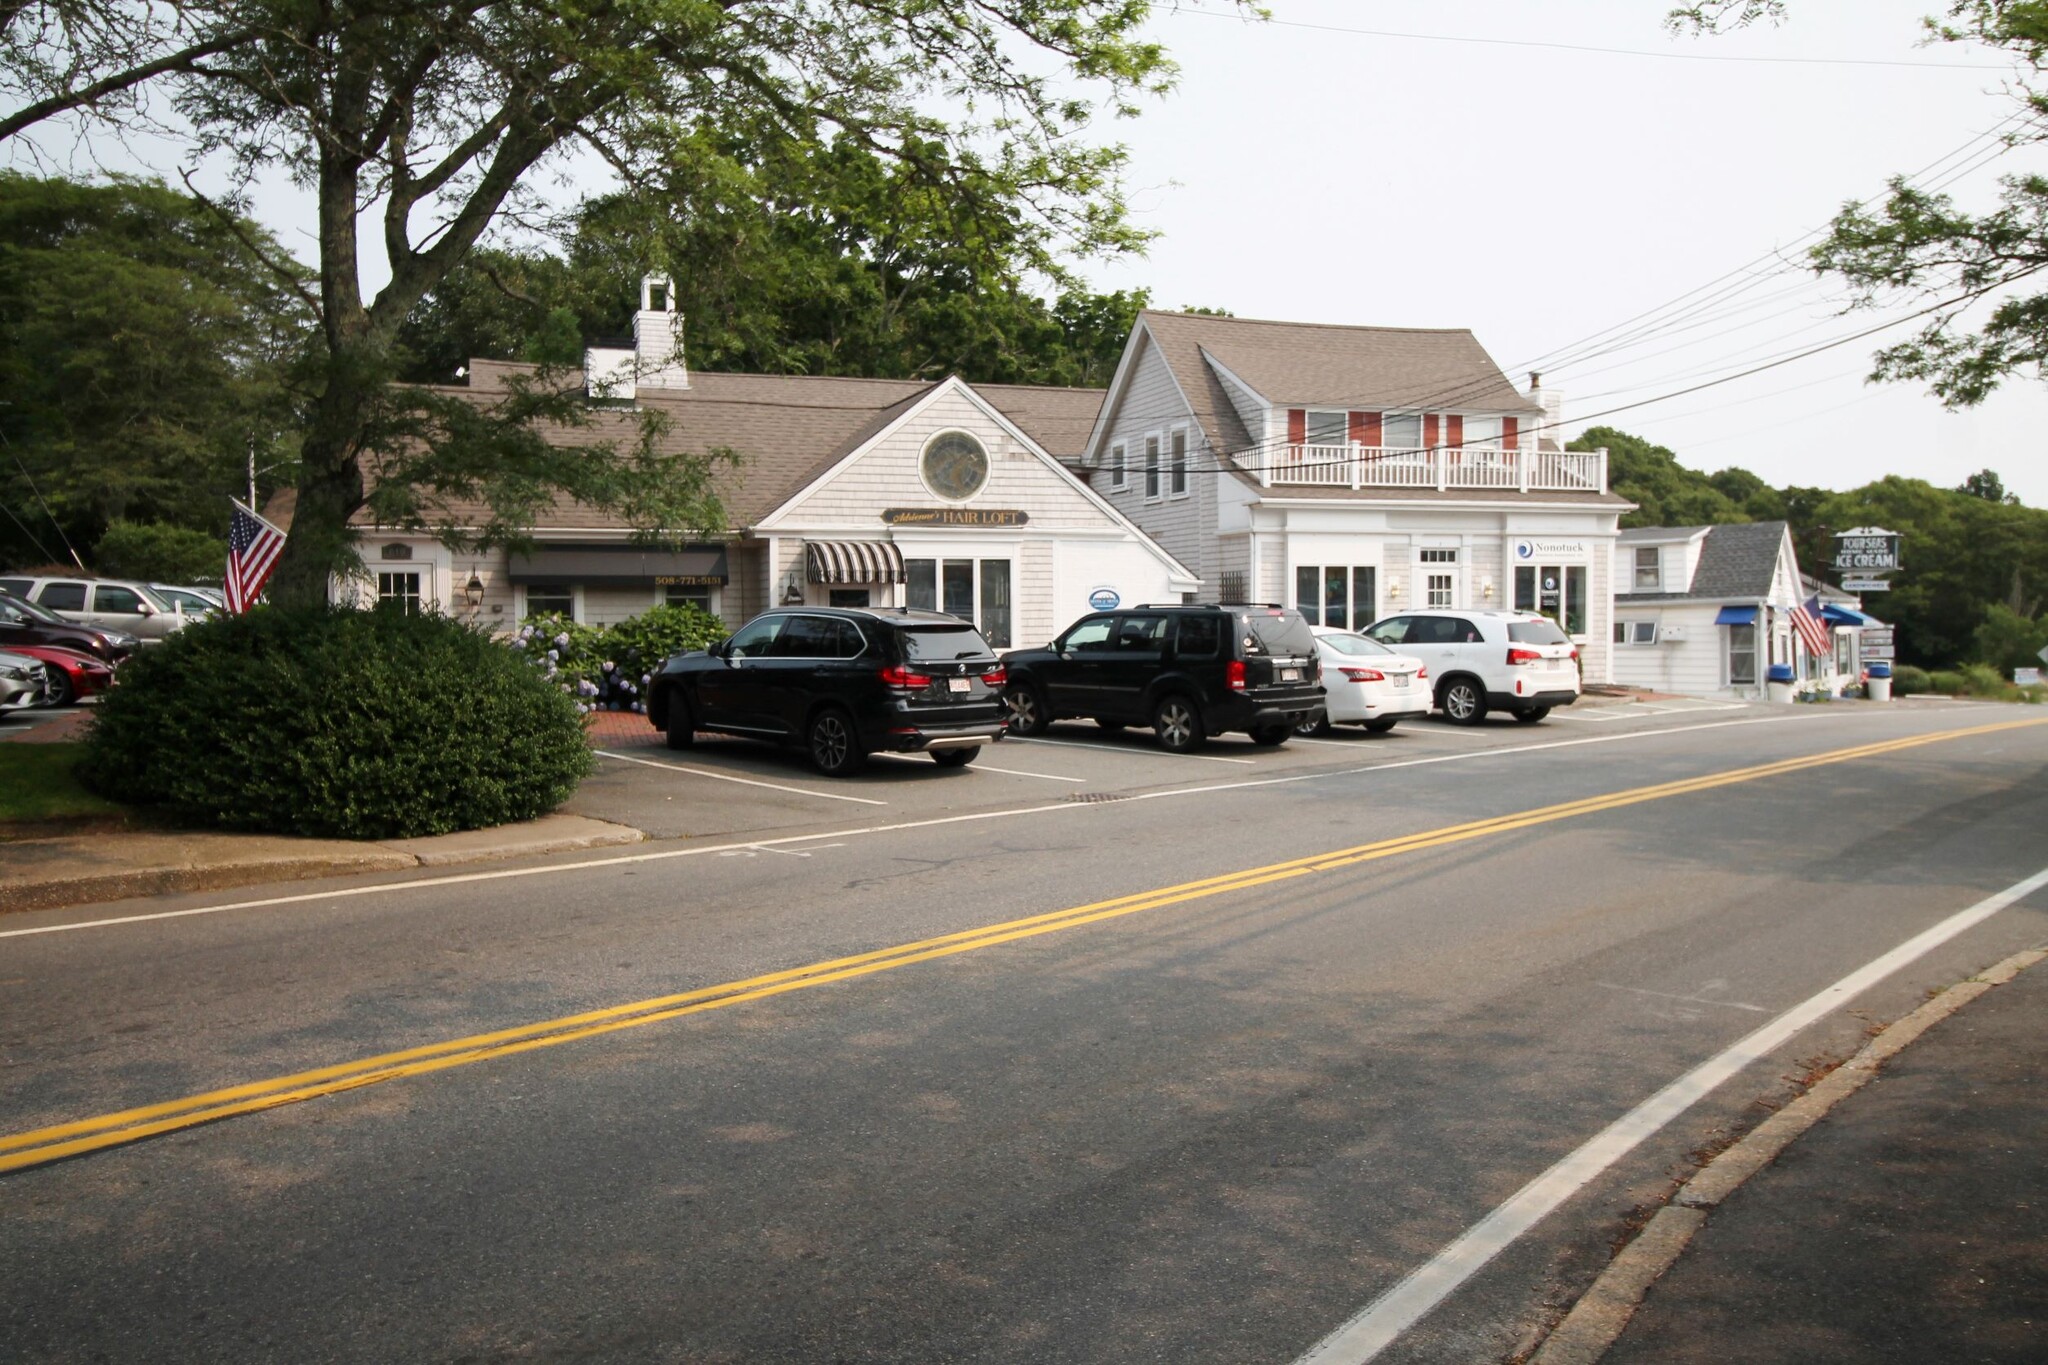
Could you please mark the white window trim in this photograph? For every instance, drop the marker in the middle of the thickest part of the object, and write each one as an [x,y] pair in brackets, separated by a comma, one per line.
[1119,473]
[575,599]
[715,591]
[1186,483]
[1343,417]
[1628,633]
[1636,569]
[1154,466]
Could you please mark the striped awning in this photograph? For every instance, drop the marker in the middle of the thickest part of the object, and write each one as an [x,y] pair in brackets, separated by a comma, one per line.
[852,561]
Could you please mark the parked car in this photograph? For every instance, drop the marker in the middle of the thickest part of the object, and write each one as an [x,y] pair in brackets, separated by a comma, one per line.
[107,603]
[198,603]
[841,683]
[73,674]
[1488,661]
[1365,683]
[1187,671]
[23,682]
[24,623]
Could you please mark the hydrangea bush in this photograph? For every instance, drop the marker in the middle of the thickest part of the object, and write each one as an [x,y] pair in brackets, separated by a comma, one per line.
[608,668]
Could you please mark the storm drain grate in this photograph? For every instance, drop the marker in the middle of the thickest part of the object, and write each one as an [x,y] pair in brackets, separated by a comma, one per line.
[1095,798]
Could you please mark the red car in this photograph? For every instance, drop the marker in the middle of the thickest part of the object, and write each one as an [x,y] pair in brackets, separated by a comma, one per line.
[73,674]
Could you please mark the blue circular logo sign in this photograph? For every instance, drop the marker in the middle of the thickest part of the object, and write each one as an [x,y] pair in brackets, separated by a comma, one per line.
[1524,550]
[1104,599]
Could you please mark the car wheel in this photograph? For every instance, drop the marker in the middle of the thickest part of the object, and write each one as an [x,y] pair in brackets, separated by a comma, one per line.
[1463,702]
[835,745]
[57,691]
[955,758]
[682,726]
[1178,724]
[1028,715]
[1317,728]
[1269,736]
[1378,727]
[1532,715]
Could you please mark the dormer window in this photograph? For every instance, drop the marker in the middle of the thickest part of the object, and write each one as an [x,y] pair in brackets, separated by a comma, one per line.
[1482,432]
[1324,428]
[1401,431]
[1649,570]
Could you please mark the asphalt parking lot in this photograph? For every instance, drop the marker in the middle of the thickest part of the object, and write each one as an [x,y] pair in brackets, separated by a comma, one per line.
[724,787]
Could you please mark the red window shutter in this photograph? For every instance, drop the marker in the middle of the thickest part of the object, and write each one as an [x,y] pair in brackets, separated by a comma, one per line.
[1455,430]
[1510,432]
[1365,428]
[1429,428]
[1297,426]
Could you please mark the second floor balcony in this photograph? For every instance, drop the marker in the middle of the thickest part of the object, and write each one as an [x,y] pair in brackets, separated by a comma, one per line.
[1441,468]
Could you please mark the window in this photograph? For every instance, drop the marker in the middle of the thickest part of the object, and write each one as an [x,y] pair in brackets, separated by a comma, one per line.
[1401,430]
[1742,656]
[849,597]
[1438,630]
[123,601]
[1392,632]
[921,584]
[1151,466]
[1180,464]
[1200,636]
[1333,595]
[1439,589]
[1117,477]
[63,596]
[399,589]
[1649,569]
[1230,587]
[955,587]
[1325,428]
[756,638]
[1090,635]
[542,599]
[995,602]
[681,595]
[806,637]
[1141,634]
[1556,590]
[1635,632]
[1482,431]
[1439,556]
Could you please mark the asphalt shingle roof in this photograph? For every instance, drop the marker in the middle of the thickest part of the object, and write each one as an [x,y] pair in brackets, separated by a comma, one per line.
[1739,560]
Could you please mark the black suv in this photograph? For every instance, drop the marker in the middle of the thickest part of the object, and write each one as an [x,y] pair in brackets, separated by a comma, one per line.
[1187,671]
[842,684]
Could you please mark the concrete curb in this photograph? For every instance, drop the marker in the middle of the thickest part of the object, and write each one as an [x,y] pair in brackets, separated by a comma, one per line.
[86,868]
[1601,1314]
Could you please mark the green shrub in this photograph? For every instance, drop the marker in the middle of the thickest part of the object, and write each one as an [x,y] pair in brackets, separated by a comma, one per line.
[362,725]
[1982,680]
[1946,683]
[160,554]
[607,668]
[1908,680]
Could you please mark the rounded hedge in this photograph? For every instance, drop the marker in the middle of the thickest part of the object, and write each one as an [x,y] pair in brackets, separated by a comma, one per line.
[326,721]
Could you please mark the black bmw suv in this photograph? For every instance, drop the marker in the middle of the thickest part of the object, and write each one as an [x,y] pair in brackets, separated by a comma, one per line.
[1187,671]
[842,684]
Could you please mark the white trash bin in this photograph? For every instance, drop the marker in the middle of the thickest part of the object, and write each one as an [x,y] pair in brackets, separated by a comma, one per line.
[1877,683]
[1779,685]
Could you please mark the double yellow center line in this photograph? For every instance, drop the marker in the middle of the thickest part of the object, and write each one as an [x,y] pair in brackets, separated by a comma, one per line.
[42,1145]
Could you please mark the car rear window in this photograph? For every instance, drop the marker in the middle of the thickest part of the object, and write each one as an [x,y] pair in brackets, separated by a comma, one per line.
[1347,643]
[1537,633]
[1277,632]
[944,644]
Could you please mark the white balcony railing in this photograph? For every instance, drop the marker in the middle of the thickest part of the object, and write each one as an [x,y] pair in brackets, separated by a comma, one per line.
[1442,468]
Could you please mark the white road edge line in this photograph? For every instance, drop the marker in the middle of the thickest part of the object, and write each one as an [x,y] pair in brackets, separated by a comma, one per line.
[698,851]
[743,781]
[1380,1322]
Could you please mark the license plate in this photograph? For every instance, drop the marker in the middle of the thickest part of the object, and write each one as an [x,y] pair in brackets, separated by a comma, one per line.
[1290,675]
[1401,679]
[958,684]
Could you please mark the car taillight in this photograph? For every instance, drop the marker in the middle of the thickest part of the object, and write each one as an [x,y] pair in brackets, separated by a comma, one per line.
[1421,673]
[1574,654]
[896,675]
[1233,675]
[996,677]
[1363,674]
[1524,656]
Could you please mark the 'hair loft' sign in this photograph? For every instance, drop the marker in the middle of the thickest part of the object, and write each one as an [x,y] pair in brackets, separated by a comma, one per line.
[953,516]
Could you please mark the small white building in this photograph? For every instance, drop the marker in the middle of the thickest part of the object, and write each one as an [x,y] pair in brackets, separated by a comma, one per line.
[1705,611]
[849,492]
[1352,472]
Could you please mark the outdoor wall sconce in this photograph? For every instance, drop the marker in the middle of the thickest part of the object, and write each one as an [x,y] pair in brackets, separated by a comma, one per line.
[473,593]
[1394,589]
[1486,588]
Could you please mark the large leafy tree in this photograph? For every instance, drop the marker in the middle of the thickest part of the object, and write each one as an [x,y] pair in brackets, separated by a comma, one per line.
[422,125]
[143,357]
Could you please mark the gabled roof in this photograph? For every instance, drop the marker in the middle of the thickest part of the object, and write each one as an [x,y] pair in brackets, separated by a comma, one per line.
[1738,562]
[787,429]
[1291,364]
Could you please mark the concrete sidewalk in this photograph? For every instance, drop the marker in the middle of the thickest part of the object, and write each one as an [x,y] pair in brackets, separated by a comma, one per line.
[1908,1223]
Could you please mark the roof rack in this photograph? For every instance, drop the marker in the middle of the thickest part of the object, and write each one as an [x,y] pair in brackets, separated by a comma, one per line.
[1213,606]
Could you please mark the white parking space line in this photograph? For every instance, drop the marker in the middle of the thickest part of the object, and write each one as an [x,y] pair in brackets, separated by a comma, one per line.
[991,768]
[743,781]
[1106,749]
[1382,1321]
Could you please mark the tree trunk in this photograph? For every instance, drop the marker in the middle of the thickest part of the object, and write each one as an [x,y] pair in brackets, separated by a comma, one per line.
[331,487]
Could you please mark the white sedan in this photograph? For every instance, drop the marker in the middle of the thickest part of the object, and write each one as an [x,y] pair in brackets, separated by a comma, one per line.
[1367,684]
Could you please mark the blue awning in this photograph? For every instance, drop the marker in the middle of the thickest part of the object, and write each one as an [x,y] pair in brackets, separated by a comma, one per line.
[1736,616]
[1845,616]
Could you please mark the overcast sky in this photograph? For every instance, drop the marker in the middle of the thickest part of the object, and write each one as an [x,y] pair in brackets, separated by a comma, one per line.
[1540,196]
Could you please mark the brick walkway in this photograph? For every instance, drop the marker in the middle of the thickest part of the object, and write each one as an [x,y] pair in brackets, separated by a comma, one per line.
[57,729]
[621,729]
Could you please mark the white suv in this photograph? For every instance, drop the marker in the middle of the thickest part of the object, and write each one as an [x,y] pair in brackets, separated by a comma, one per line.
[1488,660]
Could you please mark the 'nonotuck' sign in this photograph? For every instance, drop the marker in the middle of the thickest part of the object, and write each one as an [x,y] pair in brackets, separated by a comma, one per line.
[1867,550]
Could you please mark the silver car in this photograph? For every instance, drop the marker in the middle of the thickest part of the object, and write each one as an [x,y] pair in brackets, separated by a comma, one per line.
[109,603]
[24,682]
[193,602]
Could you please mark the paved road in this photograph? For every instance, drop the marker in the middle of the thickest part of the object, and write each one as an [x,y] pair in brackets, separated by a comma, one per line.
[1224,1051]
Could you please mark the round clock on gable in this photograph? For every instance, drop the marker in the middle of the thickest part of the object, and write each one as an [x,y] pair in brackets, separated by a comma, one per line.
[954,465]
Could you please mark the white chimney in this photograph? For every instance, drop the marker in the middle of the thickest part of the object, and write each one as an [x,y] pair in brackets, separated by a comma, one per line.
[657,337]
[1552,404]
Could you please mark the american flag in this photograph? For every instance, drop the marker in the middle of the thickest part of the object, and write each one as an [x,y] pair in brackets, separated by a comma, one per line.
[253,547]
[1812,632]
